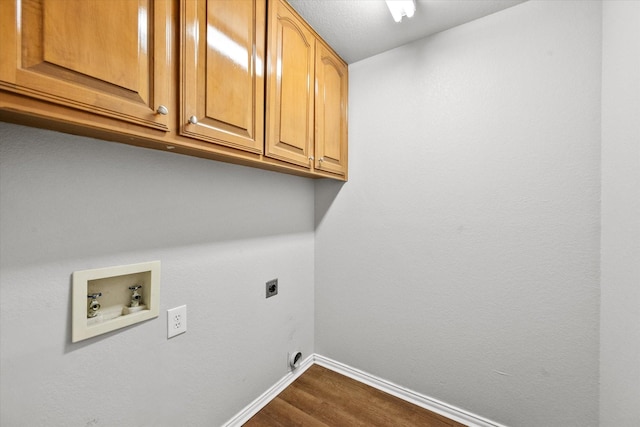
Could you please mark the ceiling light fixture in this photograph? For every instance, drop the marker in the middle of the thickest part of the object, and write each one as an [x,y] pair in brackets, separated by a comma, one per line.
[400,8]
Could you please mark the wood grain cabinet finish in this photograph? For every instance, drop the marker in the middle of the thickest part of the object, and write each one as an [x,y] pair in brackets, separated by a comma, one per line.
[106,57]
[332,86]
[306,96]
[290,93]
[241,81]
[222,72]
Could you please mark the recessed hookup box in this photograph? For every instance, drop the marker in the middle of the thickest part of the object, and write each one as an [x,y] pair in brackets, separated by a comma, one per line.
[106,299]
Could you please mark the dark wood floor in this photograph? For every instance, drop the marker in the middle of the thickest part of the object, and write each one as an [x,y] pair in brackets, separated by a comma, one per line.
[323,398]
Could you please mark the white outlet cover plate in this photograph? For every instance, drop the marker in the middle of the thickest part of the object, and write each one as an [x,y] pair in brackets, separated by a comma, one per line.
[176,321]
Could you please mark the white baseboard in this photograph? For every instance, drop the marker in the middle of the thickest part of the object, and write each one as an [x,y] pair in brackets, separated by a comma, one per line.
[426,402]
[266,397]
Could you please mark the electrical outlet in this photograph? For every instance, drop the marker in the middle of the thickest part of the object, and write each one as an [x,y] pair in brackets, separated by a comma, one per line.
[176,321]
[272,288]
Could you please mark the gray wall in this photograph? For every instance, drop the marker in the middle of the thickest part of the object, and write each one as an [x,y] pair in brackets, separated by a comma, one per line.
[462,258]
[620,264]
[69,203]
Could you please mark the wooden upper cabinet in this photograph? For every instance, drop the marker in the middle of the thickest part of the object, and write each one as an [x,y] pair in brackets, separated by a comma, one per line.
[222,72]
[290,93]
[332,82]
[107,57]
[307,91]
[243,81]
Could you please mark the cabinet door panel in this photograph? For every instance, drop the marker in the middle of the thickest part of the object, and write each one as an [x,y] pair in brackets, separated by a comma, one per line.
[331,112]
[290,88]
[223,72]
[106,57]
[79,48]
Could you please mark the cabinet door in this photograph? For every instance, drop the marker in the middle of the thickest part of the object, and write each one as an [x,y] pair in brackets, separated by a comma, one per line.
[106,57]
[222,80]
[331,112]
[290,75]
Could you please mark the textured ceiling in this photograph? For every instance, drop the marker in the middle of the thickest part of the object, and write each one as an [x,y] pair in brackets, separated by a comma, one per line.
[357,29]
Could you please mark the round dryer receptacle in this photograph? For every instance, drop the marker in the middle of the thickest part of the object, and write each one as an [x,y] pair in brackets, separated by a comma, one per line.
[294,359]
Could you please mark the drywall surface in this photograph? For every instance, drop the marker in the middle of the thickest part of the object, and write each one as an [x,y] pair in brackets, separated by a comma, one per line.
[461,260]
[358,29]
[620,262]
[220,231]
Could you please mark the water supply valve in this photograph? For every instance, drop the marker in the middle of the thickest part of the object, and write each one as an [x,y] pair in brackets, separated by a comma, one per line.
[135,296]
[94,305]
